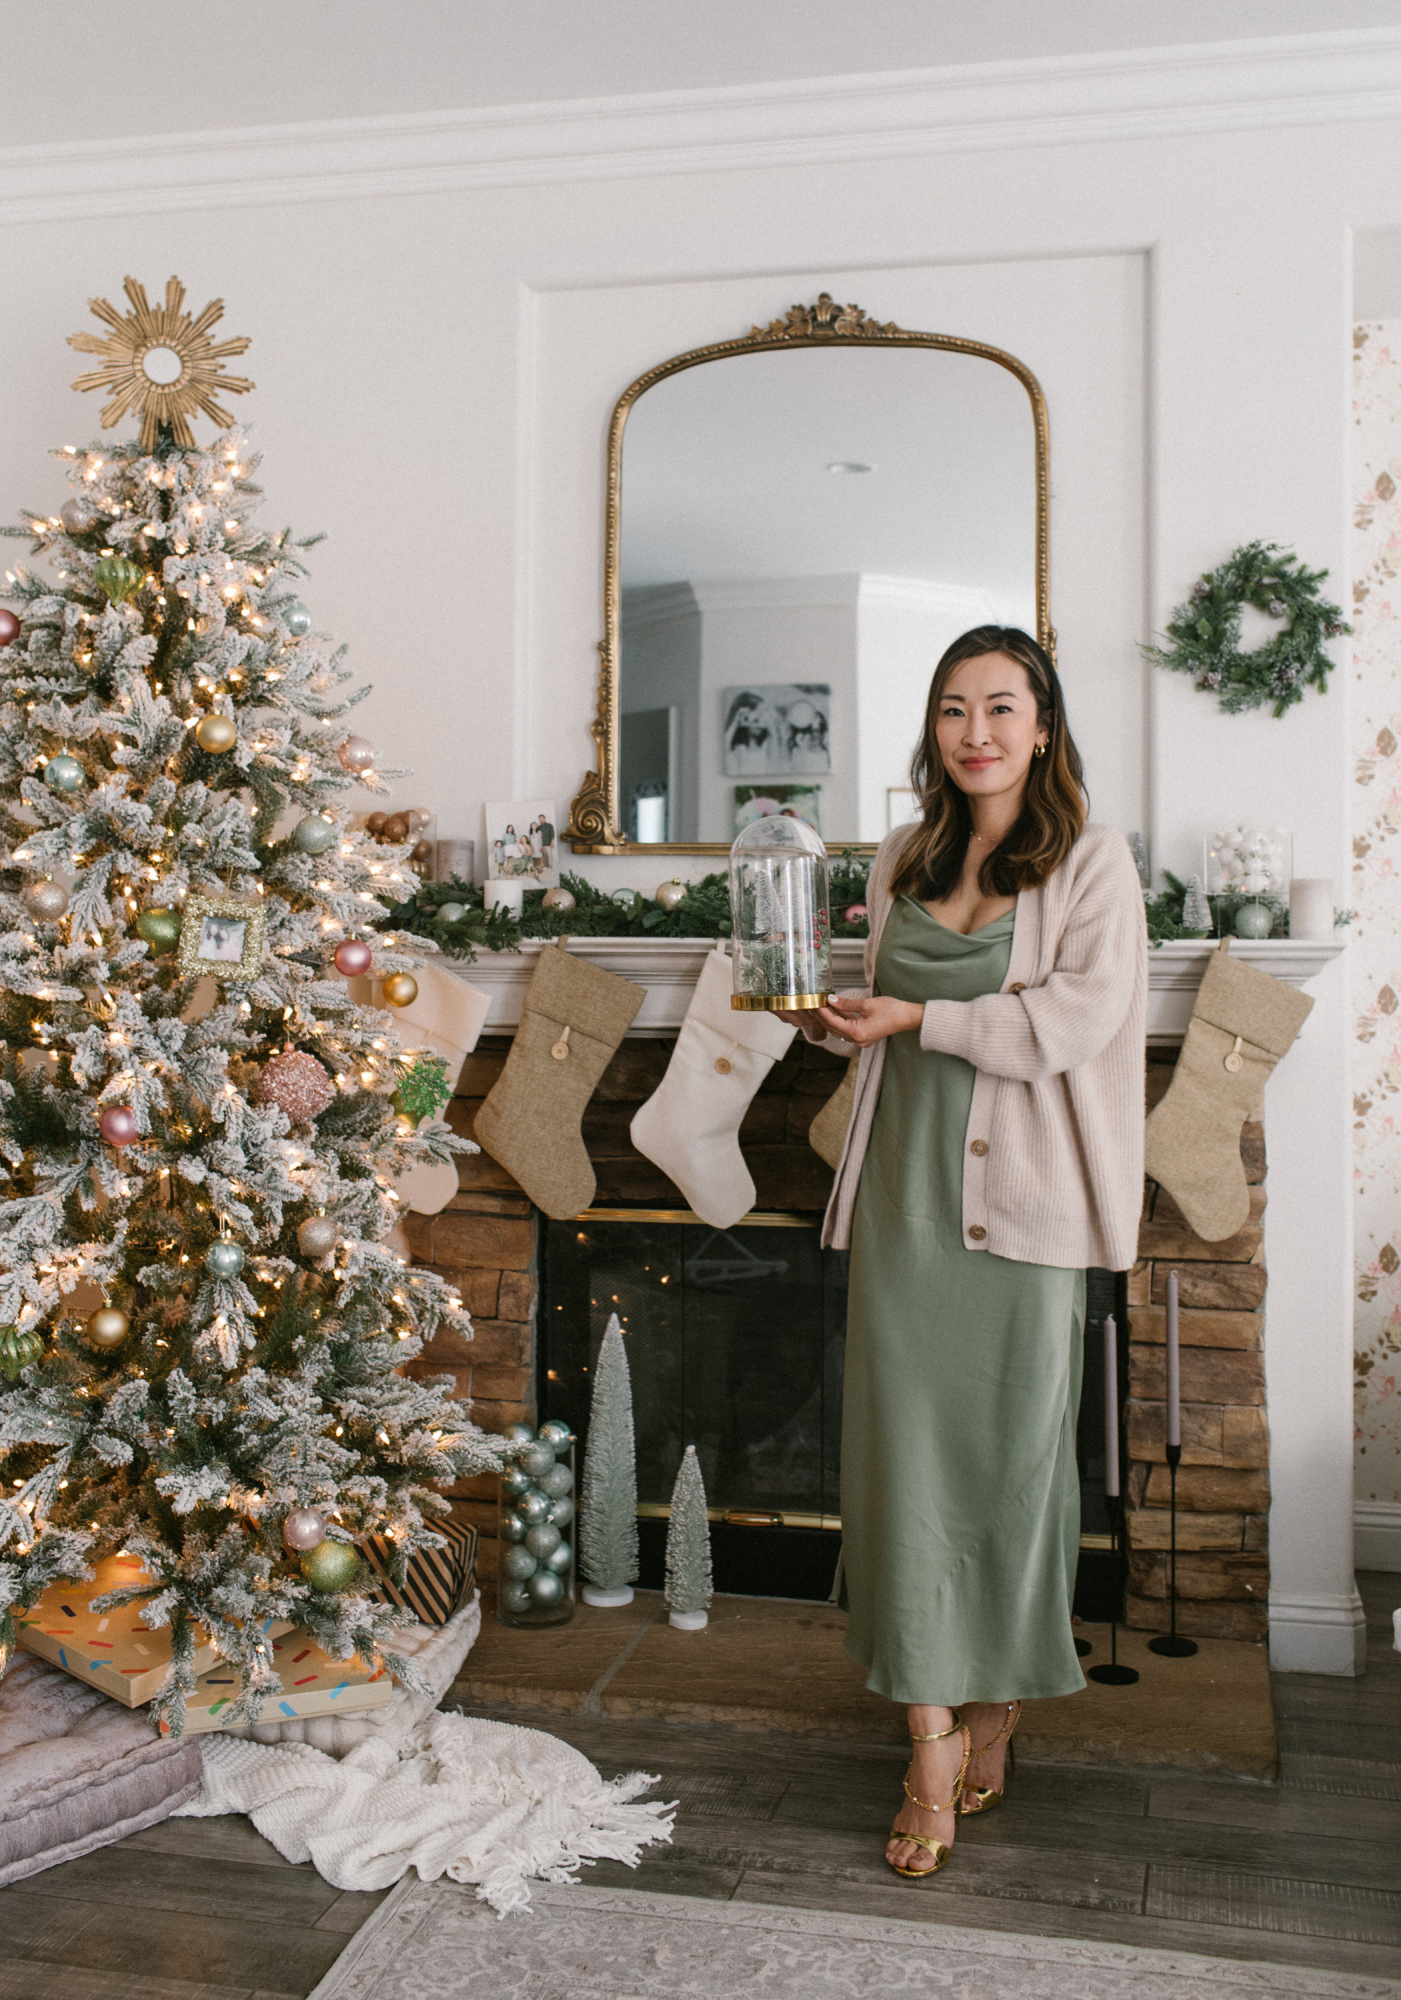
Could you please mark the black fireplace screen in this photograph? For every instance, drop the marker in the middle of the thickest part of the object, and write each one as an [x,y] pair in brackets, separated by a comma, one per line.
[734,1340]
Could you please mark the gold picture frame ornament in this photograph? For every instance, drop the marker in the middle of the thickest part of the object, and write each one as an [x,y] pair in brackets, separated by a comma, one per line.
[593,826]
[221,937]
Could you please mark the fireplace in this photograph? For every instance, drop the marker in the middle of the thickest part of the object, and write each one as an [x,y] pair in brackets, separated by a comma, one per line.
[502,1255]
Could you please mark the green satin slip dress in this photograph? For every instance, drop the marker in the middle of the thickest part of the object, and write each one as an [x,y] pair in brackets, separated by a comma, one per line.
[960,1493]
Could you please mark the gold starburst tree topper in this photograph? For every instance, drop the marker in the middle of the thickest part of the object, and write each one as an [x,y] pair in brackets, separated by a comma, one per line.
[160,362]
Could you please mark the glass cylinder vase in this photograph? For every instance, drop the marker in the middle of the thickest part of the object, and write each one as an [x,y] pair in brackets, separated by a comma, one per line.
[535,1528]
[780,915]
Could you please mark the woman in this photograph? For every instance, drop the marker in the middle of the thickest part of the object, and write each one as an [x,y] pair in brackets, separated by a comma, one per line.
[994,1152]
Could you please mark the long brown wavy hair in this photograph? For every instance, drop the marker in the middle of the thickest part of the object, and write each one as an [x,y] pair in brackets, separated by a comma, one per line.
[1054,807]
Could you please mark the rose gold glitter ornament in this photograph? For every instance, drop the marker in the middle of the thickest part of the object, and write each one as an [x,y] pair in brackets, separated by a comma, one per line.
[296,1083]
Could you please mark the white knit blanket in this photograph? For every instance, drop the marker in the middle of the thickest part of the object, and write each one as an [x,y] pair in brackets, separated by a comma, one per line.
[484,1802]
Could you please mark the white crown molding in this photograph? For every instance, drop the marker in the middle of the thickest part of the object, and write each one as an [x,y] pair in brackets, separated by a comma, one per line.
[1130,94]
[777,593]
[648,604]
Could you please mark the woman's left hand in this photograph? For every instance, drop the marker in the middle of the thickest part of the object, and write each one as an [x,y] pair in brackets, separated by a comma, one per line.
[863,1022]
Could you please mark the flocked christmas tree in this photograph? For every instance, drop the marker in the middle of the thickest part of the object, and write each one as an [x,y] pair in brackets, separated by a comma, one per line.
[203,1320]
[689,1586]
[608,1549]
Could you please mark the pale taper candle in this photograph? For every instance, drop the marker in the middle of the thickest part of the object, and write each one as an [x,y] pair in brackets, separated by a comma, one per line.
[1111,1409]
[1174,1397]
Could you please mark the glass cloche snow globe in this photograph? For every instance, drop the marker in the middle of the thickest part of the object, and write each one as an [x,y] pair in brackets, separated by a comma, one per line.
[780,915]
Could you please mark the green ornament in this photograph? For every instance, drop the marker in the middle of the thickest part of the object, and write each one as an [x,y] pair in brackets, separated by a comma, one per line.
[17,1351]
[424,1088]
[223,1259]
[330,1566]
[63,774]
[118,577]
[160,928]
[1253,920]
[313,835]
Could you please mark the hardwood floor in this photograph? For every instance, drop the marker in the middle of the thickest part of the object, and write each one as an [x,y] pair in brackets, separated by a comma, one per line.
[1302,1872]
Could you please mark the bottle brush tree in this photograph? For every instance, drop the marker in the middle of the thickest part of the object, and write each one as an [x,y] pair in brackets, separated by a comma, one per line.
[202,1322]
[689,1586]
[608,1553]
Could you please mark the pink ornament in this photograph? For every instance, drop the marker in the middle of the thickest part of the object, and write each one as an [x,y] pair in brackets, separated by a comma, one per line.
[353,958]
[357,753]
[855,913]
[118,1124]
[9,628]
[304,1528]
[296,1083]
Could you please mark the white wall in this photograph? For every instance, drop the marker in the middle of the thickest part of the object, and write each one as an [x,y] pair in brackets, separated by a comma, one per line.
[436,369]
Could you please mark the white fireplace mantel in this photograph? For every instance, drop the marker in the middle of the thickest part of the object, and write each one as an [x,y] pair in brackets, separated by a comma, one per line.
[667,969]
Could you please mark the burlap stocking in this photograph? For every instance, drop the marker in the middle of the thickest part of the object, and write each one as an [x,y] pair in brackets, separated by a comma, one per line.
[689,1126]
[573,1019]
[827,1132]
[1241,1025]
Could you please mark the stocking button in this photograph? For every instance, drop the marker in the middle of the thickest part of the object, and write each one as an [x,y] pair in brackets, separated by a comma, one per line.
[722,1063]
[977,1232]
[979,1147]
[1232,1062]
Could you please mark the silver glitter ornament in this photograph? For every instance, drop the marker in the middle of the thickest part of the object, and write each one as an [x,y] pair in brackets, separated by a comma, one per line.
[316,1236]
[560,1560]
[313,835]
[514,1599]
[537,1459]
[518,1563]
[79,516]
[546,1589]
[562,1512]
[46,899]
[518,1434]
[558,1481]
[543,1541]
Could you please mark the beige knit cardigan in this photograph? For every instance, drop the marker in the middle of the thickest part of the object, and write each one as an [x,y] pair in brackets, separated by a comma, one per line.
[1053,1155]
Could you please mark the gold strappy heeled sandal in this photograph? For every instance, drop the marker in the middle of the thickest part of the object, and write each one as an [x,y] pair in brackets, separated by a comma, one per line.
[937,1848]
[987,1796]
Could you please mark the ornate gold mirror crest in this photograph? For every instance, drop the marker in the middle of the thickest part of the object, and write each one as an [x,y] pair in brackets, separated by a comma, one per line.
[594,818]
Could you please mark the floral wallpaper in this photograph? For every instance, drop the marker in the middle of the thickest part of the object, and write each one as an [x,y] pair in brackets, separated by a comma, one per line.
[1376,900]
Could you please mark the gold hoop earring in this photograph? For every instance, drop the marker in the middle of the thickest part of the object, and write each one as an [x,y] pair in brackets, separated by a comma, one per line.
[1039,751]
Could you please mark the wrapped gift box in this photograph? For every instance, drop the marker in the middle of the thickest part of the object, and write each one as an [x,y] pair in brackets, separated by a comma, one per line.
[439,1581]
[312,1684]
[116,1651]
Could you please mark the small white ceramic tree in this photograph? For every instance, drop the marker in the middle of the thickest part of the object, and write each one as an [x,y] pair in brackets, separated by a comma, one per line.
[608,1553]
[689,1586]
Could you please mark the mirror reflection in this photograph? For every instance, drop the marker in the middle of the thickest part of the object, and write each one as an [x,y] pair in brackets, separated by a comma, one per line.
[803,531]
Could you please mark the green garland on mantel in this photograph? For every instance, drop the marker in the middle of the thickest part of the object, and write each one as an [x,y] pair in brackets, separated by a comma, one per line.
[702,912]
[1205,631]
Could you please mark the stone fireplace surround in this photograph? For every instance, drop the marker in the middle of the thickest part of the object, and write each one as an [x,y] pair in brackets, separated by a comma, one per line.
[486,1243]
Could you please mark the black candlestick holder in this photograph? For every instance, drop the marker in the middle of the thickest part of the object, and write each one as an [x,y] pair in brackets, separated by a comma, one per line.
[1113,1675]
[1168,1644]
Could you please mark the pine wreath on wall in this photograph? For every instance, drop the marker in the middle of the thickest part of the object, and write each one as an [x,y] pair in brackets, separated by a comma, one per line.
[1205,631]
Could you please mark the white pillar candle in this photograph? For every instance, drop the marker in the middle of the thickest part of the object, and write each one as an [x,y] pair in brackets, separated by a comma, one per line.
[505,892]
[1111,1409]
[1311,907]
[1174,1401]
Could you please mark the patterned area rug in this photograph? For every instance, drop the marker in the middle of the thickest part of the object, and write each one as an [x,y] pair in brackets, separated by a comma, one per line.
[435,1941]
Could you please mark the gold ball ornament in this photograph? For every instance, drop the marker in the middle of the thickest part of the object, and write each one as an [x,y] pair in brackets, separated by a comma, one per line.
[107,1328]
[669,894]
[216,733]
[330,1566]
[401,989]
[160,927]
[46,899]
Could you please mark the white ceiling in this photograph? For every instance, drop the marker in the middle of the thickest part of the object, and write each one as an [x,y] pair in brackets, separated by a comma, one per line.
[725,471]
[86,69]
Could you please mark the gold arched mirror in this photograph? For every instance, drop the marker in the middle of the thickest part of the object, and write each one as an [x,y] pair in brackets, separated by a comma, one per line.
[792,540]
